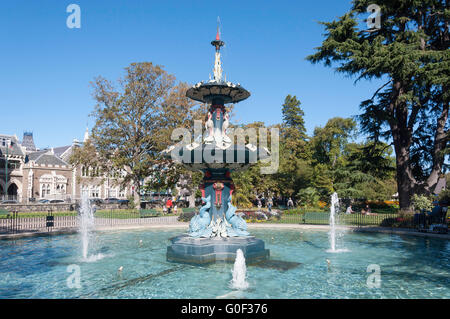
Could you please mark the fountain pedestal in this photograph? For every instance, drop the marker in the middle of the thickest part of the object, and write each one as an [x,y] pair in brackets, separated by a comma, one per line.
[217,232]
[200,251]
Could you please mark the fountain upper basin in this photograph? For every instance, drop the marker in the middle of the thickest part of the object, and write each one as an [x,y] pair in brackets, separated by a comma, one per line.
[226,91]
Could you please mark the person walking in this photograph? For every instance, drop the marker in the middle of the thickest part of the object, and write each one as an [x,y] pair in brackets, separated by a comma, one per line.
[290,203]
[169,205]
[269,204]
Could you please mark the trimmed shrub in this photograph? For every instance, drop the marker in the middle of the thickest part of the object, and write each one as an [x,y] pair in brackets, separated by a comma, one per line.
[186,216]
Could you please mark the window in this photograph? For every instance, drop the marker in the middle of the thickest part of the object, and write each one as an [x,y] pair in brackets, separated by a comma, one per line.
[84,190]
[112,192]
[84,171]
[13,165]
[45,190]
[61,189]
[95,191]
[5,141]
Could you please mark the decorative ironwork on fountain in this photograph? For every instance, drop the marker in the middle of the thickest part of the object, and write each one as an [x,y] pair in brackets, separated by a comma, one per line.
[217,217]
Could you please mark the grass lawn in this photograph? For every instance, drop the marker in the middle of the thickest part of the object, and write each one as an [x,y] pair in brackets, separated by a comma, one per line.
[322,219]
[41,214]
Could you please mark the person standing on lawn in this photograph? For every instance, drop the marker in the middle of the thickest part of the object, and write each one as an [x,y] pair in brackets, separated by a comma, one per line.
[269,204]
[169,205]
[290,203]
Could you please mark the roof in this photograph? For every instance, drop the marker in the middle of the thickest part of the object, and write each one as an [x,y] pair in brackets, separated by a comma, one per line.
[63,152]
[16,147]
[46,157]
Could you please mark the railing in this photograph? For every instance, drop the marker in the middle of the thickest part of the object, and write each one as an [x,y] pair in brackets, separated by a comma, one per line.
[8,197]
[14,222]
[65,197]
[322,218]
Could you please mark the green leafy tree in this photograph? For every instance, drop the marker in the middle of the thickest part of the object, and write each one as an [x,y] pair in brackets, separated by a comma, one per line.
[371,170]
[351,169]
[133,121]
[330,141]
[410,52]
[87,159]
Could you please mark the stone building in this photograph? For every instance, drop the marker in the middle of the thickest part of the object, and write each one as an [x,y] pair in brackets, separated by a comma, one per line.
[13,154]
[34,174]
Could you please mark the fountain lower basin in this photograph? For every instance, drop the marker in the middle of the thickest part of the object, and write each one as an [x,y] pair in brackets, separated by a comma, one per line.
[201,251]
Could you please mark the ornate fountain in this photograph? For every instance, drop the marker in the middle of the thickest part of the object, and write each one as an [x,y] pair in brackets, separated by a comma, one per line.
[216,232]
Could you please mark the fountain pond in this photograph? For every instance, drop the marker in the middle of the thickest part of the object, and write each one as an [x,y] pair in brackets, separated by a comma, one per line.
[133,265]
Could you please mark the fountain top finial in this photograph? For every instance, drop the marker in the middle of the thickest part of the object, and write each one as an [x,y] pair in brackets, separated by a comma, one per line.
[217,90]
[217,42]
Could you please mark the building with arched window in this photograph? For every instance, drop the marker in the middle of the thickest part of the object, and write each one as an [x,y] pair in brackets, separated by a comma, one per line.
[33,174]
[12,160]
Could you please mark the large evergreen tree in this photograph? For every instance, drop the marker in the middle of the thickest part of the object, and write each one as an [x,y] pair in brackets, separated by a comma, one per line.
[293,114]
[409,51]
[295,171]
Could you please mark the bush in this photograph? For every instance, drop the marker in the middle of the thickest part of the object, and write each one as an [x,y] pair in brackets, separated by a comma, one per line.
[186,216]
[239,200]
[444,197]
[307,209]
[421,203]
[308,196]
[189,209]
[405,221]
[251,216]
[131,204]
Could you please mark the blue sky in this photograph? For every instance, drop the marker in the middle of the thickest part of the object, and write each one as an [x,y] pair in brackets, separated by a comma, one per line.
[46,67]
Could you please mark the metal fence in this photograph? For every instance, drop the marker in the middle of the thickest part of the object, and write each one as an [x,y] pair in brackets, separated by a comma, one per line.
[323,218]
[14,222]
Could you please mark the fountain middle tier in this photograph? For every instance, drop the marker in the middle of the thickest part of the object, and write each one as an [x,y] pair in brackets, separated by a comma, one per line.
[216,158]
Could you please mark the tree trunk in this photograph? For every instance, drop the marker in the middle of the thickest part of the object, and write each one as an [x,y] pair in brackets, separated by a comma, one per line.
[405,182]
[440,142]
[192,200]
[137,195]
[401,135]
